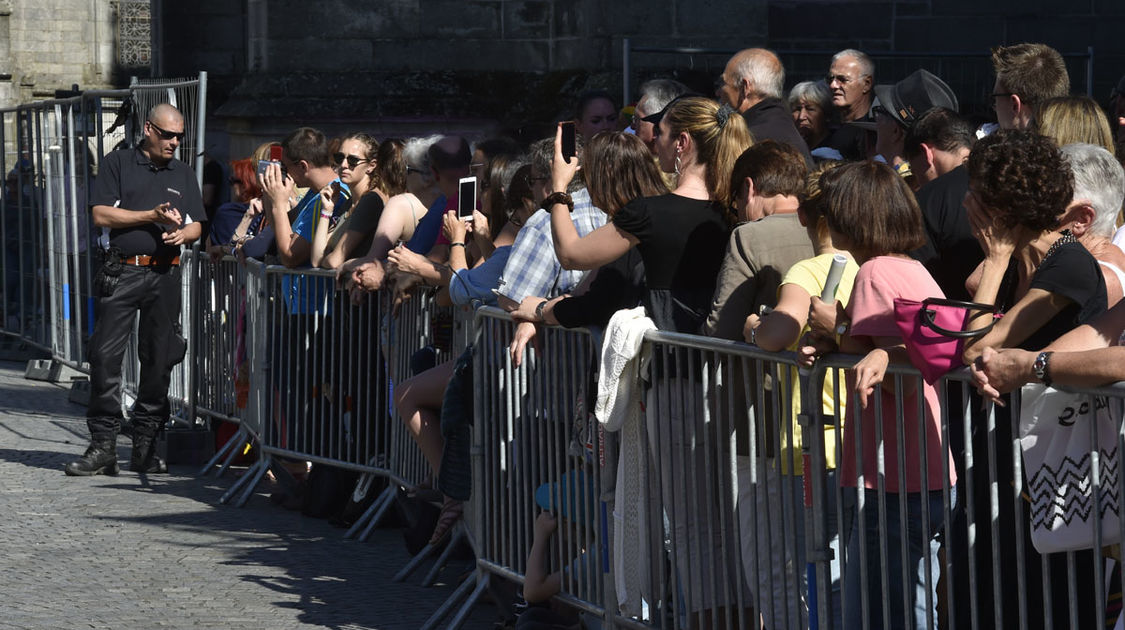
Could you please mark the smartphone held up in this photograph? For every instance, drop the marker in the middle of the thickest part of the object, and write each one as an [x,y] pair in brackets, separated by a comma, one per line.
[466,197]
[569,142]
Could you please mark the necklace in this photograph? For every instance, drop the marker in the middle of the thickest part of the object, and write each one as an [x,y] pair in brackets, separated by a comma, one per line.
[1064,238]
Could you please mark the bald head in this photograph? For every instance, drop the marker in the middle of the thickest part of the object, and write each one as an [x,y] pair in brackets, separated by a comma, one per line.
[164,131]
[165,113]
[750,76]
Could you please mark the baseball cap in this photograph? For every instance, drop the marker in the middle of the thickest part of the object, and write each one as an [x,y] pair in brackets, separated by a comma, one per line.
[572,493]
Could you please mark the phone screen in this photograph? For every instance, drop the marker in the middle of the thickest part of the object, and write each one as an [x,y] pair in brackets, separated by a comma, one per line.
[467,197]
[568,142]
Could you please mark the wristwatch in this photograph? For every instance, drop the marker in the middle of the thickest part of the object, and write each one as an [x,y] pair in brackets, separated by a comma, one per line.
[1041,368]
[539,310]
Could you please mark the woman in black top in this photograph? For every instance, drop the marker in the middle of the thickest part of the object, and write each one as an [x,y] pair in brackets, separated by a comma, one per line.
[681,235]
[1046,283]
[626,171]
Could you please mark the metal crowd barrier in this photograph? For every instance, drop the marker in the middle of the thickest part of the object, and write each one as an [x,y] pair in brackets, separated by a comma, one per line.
[220,351]
[321,371]
[534,435]
[52,150]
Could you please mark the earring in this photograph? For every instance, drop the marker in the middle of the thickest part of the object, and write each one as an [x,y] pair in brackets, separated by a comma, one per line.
[677,160]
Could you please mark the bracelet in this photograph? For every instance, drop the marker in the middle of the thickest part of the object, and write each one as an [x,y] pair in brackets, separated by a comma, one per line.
[456,244]
[558,198]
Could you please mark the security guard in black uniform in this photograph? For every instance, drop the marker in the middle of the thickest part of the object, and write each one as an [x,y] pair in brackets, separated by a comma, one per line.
[151,204]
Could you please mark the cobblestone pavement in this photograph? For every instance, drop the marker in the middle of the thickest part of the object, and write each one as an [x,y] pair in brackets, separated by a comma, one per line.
[120,552]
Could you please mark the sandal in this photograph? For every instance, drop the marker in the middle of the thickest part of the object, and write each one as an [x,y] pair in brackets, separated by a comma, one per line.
[451,512]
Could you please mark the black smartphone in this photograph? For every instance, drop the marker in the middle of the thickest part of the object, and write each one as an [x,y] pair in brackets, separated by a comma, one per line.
[466,197]
[569,144]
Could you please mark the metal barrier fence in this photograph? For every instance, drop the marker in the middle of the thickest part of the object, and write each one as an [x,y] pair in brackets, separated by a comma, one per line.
[969,74]
[321,370]
[53,149]
[726,503]
[535,440]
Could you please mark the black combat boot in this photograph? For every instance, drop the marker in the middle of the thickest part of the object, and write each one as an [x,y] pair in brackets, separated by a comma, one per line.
[144,459]
[100,459]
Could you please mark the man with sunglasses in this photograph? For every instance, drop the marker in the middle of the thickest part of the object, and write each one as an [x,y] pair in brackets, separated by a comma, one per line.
[152,206]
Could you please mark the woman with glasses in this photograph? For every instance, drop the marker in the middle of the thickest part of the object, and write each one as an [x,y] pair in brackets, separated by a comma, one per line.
[399,218]
[366,167]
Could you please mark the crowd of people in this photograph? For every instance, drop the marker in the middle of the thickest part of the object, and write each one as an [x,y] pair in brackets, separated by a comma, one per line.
[722,216]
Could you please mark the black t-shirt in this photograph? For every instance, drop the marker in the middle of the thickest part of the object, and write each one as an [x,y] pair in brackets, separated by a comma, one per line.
[1071,272]
[682,242]
[952,253]
[618,285]
[129,180]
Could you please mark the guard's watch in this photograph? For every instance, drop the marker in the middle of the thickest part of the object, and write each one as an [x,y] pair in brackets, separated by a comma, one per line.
[1041,367]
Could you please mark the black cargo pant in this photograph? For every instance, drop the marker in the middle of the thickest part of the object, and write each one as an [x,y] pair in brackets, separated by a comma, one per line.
[155,293]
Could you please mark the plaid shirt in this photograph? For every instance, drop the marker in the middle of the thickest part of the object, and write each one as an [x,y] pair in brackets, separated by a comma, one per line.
[533,269]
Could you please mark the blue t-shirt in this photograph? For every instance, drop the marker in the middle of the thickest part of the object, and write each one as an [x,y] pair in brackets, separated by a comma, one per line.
[308,295]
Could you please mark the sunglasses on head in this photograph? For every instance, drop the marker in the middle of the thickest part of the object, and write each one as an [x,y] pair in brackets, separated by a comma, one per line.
[352,160]
[167,135]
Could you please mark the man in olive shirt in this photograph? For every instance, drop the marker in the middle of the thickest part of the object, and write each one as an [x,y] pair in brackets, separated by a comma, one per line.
[151,204]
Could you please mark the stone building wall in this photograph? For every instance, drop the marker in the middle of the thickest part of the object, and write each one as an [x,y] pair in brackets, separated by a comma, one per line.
[47,45]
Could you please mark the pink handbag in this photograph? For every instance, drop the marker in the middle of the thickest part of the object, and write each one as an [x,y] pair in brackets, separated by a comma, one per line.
[934,332]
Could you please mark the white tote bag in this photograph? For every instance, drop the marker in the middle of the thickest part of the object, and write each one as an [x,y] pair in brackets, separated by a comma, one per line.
[1062,434]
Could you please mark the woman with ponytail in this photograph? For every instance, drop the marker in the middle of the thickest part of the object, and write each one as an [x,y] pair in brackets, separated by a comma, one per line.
[681,235]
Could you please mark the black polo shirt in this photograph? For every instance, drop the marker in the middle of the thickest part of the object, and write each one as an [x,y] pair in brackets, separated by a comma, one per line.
[128,179]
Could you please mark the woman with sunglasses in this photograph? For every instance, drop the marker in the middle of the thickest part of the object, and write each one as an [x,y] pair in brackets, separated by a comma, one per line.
[399,218]
[355,163]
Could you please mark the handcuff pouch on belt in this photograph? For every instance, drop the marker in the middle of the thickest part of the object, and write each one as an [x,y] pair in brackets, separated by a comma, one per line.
[109,274]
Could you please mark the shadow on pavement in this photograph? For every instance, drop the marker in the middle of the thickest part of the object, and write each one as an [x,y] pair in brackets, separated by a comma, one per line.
[333,582]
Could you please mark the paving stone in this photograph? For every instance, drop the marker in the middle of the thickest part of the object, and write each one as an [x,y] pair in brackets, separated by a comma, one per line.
[127,552]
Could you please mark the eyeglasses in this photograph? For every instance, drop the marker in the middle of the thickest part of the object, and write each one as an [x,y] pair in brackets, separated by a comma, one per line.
[167,135]
[353,160]
[997,95]
[842,79]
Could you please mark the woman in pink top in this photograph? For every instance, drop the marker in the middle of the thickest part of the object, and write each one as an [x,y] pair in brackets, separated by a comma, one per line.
[872,214]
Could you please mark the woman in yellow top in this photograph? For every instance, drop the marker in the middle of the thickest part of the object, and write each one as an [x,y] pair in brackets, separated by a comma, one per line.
[782,329]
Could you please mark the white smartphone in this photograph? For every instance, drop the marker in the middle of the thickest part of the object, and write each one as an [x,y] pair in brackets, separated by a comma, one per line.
[466,197]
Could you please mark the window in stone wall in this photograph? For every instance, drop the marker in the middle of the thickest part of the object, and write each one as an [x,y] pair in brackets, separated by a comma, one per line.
[134,32]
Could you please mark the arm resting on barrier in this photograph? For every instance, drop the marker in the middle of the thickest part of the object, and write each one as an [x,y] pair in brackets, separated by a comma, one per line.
[1021,321]
[872,368]
[538,585]
[781,327]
